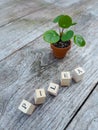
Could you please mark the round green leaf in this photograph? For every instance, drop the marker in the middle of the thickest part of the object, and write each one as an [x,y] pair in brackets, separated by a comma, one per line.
[79,40]
[51,36]
[65,21]
[67,36]
[57,19]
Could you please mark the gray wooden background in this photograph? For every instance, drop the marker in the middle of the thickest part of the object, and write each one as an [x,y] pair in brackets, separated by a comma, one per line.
[27,63]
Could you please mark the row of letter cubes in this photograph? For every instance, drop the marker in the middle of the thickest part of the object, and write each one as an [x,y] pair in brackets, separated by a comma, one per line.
[40,94]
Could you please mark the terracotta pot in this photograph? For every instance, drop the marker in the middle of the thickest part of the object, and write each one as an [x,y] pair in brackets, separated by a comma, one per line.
[60,52]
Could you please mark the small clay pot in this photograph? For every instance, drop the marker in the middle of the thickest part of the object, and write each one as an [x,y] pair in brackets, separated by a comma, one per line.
[60,52]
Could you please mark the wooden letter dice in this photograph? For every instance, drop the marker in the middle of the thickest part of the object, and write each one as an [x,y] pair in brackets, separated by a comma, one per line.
[53,89]
[40,96]
[65,78]
[78,74]
[26,107]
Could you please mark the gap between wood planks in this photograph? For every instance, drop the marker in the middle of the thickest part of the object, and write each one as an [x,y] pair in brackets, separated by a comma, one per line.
[95,85]
[18,49]
[38,9]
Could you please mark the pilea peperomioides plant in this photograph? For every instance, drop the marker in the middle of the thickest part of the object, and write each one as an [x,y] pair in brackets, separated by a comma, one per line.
[61,42]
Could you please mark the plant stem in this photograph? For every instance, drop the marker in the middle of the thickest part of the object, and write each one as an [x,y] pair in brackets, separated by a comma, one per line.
[61,33]
[59,30]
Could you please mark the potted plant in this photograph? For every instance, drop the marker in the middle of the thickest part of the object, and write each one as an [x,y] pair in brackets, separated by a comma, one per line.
[61,42]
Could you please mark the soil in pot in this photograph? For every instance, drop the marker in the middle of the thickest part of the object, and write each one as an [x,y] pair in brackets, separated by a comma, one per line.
[61,44]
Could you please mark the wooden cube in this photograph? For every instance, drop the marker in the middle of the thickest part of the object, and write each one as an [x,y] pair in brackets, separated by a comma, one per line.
[65,78]
[40,96]
[78,74]
[53,89]
[26,107]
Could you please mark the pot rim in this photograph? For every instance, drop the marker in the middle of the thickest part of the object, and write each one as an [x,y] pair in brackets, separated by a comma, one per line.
[62,48]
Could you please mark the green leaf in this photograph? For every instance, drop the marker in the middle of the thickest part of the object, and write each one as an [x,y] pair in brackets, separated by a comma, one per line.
[79,40]
[57,19]
[65,21]
[67,36]
[51,36]
[73,24]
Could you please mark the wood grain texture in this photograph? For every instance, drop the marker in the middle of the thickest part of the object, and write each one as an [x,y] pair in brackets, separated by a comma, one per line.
[33,66]
[87,118]
[15,9]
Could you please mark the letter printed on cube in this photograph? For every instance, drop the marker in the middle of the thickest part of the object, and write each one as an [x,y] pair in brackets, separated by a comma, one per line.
[65,78]
[78,74]
[26,107]
[53,89]
[40,96]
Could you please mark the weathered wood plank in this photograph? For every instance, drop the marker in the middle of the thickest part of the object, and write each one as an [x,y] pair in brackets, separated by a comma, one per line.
[33,67]
[14,9]
[26,29]
[87,117]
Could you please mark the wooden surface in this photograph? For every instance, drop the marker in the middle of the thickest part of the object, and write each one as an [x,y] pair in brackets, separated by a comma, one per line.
[87,118]
[27,63]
